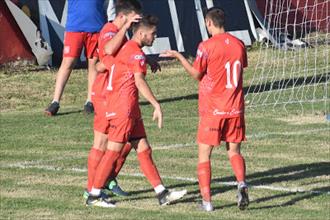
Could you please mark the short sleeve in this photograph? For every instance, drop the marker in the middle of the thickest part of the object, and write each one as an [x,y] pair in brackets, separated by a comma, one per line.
[106,36]
[200,63]
[138,63]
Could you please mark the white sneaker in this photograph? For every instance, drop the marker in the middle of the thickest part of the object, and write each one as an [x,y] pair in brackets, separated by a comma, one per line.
[207,206]
[99,201]
[166,197]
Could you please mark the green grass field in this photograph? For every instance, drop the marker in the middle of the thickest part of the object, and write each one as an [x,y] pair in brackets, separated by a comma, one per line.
[43,159]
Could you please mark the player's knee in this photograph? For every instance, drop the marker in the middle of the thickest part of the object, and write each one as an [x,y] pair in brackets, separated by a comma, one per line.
[100,143]
[233,152]
[140,145]
[68,63]
[204,151]
[203,157]
[115,146]
[100,148]
[233,147]
[144,148]
[144,155]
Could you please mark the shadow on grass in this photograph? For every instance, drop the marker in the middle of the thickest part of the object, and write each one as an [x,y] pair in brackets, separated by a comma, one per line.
[286,83]
[69,112]
[272,176]
[259,88]
[298,197]
[179,98]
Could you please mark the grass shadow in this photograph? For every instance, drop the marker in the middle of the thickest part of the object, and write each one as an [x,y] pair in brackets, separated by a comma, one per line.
[272,176]
[69,112]
[259,88]
[297,197]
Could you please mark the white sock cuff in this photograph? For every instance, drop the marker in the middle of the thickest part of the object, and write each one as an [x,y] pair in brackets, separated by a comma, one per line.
[95,192]
[160,188]
[206,203]
[242,184]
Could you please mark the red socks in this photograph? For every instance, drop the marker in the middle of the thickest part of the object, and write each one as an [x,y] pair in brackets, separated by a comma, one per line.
[204,174]
[148,168]
[204,179]
[105,166]
[120,161]
[94,158]
[238,166]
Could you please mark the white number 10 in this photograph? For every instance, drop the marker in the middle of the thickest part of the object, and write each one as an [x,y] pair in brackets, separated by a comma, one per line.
[236,67]
[110,78]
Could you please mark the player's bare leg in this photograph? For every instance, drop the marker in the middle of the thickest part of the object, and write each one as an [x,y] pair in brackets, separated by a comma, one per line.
[150,171]
[238,166]
[204,175]
[62,77]
[92,73]
[100,140]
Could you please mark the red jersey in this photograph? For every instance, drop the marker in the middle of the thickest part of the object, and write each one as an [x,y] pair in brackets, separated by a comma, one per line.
[221,59]
[123,95]
[108,31]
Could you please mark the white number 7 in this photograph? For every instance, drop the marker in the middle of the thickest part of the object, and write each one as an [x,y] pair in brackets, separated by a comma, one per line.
[236,67]
[110,78]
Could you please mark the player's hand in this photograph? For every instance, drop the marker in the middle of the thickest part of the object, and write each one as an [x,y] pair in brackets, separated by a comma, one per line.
[159,116]
[170,53]
[154,65]
[132,19]
[100,67]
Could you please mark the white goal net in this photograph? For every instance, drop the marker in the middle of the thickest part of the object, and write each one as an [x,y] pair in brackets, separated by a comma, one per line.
[292,69]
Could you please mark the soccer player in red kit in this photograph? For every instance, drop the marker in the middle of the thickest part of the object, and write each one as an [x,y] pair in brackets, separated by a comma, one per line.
[113,35]
[219,68]
[126,80]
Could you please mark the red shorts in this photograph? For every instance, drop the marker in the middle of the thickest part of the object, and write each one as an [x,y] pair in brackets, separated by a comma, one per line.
[75,41]
[213,130]
[122,130]
[101,123]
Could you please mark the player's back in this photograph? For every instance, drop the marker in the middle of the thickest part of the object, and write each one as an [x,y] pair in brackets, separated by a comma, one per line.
[222,58]
[122,96]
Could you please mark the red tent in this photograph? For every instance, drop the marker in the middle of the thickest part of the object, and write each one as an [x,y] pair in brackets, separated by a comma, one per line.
[13,45]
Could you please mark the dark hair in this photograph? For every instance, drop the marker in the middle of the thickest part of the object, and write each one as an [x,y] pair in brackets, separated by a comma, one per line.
[128,6]
[217,16]
[147,21]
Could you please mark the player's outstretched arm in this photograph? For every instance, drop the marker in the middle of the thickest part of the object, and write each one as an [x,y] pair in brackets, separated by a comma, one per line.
[145,90]
[185,63]
[113,45]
